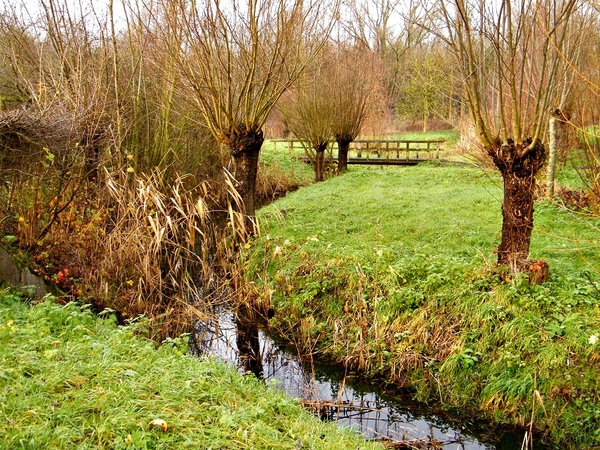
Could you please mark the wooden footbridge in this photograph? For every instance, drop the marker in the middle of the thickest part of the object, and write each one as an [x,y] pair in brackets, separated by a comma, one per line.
[399,152]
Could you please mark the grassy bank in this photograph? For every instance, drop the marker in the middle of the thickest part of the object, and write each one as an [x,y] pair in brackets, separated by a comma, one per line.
[69,379]
[392,272]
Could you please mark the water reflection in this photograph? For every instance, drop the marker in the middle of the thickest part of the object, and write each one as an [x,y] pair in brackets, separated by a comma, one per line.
[336,397]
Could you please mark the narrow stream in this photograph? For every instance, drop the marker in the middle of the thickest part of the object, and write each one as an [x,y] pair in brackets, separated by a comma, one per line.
[332,396]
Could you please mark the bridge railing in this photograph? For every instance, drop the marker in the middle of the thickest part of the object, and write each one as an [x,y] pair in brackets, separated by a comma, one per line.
[376,149]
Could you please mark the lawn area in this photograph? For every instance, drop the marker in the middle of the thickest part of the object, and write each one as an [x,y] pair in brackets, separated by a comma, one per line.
[392,273]
[441,211]
[70,379]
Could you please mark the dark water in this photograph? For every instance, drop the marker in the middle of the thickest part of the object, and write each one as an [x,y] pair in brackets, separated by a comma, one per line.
[377,413]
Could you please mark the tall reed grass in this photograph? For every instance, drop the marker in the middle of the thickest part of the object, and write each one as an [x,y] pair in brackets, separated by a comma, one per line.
[158,248]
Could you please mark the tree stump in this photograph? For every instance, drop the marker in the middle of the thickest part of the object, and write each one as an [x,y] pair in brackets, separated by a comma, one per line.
[537,271]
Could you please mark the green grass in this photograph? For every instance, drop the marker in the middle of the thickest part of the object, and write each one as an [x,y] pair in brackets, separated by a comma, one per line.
[392,272]
[440,210]
[69,379]
[278,159]
[368,208]
[450,136]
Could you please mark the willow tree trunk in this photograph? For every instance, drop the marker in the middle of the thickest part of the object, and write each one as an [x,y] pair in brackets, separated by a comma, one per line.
[343,147]
[518,164]
[320,162]
[245,148]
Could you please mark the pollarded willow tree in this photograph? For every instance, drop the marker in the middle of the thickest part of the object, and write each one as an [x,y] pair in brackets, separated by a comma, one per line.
[509,58]
[308,113]
[333,102]
[353,78]
[237,58]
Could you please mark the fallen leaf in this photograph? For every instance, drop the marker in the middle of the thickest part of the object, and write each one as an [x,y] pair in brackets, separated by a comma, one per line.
[159,423]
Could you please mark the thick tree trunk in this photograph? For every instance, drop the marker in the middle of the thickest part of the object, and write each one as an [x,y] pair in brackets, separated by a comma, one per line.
[320,162]
[343,146]
[518,164]
[245,148]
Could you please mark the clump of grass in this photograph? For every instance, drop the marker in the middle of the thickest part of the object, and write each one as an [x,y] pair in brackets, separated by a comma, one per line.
[159,245]
[71,379]
[391,272]
[149,248]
